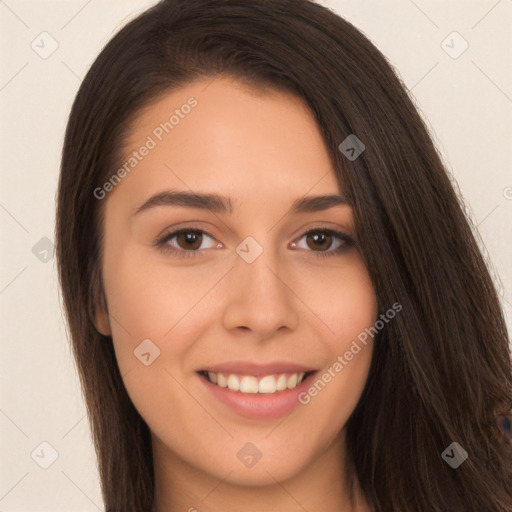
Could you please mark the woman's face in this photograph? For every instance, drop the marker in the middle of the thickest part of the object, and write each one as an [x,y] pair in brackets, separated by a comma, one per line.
[256,289]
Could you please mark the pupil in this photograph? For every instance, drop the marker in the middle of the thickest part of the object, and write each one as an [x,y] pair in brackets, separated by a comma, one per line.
[319,238]
[191,239]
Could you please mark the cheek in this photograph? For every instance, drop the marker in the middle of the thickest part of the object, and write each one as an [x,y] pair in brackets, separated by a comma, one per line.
[356,308]
[148,299]
[349,310]
[343,300]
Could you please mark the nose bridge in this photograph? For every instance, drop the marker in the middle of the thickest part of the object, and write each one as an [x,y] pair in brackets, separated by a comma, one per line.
[258,267]
[259,298]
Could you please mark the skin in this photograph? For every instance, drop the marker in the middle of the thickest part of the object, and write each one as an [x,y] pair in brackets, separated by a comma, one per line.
[264,150]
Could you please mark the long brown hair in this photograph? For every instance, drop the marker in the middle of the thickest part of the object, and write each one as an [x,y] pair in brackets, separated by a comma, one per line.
[440,371]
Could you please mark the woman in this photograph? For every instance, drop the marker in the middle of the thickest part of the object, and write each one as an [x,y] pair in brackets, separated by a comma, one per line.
[274,297]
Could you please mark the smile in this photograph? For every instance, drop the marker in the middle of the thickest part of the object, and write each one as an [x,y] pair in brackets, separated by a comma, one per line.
[250,384]
[258,391]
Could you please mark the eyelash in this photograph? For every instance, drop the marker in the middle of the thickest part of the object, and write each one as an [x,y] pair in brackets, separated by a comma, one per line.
[162,242]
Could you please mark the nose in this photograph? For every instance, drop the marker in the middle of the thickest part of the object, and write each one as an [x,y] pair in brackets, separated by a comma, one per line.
[261,298]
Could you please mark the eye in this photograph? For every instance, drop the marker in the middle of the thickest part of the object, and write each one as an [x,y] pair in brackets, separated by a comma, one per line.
[185,241]
[321,241]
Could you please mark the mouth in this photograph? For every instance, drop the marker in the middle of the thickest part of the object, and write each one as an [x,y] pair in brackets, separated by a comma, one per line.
[269,384]
[258,391]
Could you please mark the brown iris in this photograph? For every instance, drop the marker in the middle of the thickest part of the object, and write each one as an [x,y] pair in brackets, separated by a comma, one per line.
[191,239]
[319,240]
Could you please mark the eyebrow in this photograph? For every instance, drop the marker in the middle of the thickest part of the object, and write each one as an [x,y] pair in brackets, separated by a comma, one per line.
[222,204]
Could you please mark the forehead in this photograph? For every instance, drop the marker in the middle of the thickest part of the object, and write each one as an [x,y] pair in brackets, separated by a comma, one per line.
[221,135]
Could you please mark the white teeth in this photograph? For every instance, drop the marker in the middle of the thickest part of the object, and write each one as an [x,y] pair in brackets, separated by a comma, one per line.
[233,383]
[249,385]
[267,384]
[221,380]
[292,381]
[281,382]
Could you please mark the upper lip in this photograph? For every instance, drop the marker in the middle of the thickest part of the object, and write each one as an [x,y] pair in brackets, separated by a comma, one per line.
[257,369]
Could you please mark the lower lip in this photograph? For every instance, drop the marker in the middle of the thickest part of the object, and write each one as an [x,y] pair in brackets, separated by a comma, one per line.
[259,405]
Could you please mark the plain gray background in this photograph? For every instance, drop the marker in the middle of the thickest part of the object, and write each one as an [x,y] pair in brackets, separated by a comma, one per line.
[465,95]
